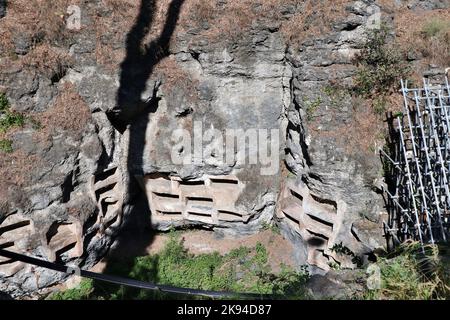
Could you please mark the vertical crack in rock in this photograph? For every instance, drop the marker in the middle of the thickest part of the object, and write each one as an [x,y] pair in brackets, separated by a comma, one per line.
[67,188]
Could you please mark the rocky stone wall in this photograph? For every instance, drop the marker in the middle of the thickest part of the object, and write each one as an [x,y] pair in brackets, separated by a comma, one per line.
[77,175]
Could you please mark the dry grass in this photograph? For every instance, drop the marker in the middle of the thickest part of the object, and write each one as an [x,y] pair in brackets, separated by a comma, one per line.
[365,132]
[111,30]
[39,20]
[316,18]
[412,274]
[44,21]
[175,78]
[362,134]
[15,174]
[234,19]
[15,169]
[412,36]
[69,112]
[48,61]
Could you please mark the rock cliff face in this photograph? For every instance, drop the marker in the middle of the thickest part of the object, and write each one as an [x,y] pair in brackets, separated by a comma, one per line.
[98,147]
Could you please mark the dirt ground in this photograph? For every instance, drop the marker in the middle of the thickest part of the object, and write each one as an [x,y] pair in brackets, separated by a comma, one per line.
[280,250]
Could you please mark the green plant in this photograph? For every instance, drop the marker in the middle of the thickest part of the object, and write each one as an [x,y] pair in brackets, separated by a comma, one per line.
[8,118]
[435,27]
[6,146]
[412,273]
[288,282]
[329,90]
[273,227]
[334,266]
[241,270]
[336,94]
[4,103]
[11,119]
[380,65]
[379,105]
[35,124]
[85,288]
[311,107]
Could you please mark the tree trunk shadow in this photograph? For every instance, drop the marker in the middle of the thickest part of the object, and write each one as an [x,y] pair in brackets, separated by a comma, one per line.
[133,113]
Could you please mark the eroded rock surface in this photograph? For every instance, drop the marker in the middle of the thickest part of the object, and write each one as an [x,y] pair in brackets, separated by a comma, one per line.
[74,183]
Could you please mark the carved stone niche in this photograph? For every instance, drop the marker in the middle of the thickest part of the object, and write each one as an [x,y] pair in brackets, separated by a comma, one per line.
[15,236]
[208,200]
[18,234]
[64,238]
[108,193]
[318,221]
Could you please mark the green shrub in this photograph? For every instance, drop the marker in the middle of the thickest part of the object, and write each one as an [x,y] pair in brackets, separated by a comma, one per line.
[4,104]
[311,107]
[241,270]
[336,94]
[8,118]
[344,250]
[6,146]
[273,227]
[413,274]
[435,27]
[11,119]
[379,105]
[380,65]
[85,288]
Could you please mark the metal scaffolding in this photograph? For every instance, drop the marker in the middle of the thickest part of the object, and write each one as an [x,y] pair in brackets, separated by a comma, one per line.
[417,166]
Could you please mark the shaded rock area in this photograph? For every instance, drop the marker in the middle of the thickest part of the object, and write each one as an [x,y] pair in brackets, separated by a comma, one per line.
[2,8]
[96,153]
[337,285]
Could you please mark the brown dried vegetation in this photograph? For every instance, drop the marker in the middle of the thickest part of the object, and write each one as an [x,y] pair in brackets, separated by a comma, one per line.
[426,35]
[48,61]
[175,78]
[15,169]
[43,22]
[69,112]
[38,20]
